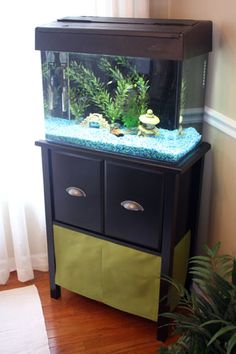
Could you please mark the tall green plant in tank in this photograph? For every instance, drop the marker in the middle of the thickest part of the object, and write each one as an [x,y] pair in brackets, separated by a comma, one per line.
[131,91]
[123,97]
[78,103]
[206,315]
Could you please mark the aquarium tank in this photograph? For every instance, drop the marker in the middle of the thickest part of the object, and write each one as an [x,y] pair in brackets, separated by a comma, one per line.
[125,86]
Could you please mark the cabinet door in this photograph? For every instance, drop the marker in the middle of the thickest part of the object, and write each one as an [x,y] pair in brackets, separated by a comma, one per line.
[77,190]
[134,205]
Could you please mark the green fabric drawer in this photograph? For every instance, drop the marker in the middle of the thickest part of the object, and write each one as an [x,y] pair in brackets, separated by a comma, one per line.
[180,267]
[131,280]
[78,262]
[116,275]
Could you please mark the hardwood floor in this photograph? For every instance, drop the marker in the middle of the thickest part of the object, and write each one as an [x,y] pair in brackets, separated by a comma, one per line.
[76,324]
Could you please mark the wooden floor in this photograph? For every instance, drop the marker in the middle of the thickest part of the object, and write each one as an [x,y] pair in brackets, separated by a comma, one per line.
[76,324]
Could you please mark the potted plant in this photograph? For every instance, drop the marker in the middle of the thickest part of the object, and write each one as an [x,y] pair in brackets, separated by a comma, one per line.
[205,317]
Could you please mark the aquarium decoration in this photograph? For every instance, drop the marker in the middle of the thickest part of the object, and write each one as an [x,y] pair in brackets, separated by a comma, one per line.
[148,122]
[95,120]
[115,129]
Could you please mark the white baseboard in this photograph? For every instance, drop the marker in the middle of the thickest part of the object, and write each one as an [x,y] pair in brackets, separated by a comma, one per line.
[220,121]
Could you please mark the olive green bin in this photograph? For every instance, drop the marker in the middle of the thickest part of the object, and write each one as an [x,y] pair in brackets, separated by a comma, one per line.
[119,276]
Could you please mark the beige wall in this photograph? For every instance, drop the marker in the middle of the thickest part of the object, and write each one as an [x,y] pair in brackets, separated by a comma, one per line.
[218,217]
[159,8]
[221,164]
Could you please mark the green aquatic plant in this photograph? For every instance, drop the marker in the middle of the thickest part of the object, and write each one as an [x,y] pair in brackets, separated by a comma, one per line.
[122,98]
[45,71]
[78,103]
[183,97]
[133,100]
[94,89]
[206,315]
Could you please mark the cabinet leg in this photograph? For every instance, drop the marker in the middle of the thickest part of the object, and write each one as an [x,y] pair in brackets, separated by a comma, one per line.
[162,332]
[55,291]
[163,322]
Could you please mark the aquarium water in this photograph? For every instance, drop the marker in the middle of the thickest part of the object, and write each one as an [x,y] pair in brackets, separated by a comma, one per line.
[128,105]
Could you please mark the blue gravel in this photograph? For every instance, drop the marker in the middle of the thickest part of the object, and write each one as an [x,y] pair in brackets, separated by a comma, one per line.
[168,146]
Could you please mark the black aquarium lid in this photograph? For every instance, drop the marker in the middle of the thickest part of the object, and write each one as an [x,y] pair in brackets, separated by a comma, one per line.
[155,38]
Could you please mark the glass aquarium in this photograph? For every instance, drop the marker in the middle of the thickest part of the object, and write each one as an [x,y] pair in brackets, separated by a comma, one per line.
[139,105]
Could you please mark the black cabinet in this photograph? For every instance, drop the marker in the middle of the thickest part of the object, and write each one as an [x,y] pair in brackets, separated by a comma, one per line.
[134,204]
[115,224]
[77,190]
[121,201]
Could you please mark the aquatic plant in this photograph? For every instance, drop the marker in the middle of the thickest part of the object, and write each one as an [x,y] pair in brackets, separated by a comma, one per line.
[78,103]
[183,97]
[45,71]
[134,97]
[94,89]
[123,98]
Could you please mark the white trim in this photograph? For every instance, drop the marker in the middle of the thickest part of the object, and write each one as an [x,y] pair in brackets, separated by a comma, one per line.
[191,111]
[220,121]
[192,115]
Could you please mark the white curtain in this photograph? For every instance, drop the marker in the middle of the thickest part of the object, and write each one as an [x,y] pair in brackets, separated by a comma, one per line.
[131,8]
[22,224]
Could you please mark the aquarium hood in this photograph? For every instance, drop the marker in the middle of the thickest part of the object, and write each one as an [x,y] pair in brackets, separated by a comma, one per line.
[154,38]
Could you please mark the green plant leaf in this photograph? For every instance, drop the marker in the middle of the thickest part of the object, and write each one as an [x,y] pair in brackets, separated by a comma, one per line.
[207,308]
[215,297]
[223,285]
[212,252]
[222,331]
[201,270]
[199,262]
[200,258]
[231,343]
[177,285]
[213,322]
[199,275]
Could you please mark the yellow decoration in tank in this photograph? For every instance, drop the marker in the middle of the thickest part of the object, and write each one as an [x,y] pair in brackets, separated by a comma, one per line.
[148,124]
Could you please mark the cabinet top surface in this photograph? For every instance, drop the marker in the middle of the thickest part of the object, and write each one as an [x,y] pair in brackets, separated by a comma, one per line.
[181,166]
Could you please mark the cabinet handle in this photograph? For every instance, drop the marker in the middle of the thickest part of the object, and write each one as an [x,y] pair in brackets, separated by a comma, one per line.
[75,192]
[131,205]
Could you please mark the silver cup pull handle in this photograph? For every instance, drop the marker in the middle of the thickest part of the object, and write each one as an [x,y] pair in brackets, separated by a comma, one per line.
[131,205]
[75,192]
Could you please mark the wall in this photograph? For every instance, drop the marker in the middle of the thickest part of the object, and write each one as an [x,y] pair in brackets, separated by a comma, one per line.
[159,9]
[218,211]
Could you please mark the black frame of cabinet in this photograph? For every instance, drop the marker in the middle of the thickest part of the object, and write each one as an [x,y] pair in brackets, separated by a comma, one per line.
[181,202]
